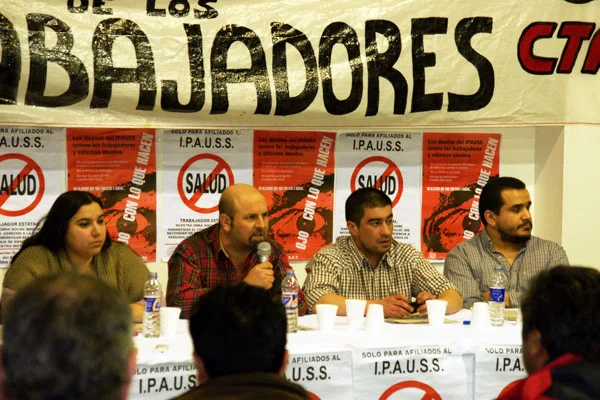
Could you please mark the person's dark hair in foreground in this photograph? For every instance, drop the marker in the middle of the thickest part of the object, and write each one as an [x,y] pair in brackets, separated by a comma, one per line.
[561,336]
[67,336]
[239,336]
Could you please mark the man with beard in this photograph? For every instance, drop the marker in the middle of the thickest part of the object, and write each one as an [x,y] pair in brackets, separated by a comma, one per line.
[225,253]
[505,242]
[369,264]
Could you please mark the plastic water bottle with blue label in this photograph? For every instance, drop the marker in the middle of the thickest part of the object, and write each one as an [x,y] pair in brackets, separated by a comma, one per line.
[497,293]
[289,298]
[152,298]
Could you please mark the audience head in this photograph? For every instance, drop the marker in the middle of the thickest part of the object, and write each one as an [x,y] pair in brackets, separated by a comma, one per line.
[243,216]
[67,336]
[561,310]
[362,198]
[75,220]
[238,329]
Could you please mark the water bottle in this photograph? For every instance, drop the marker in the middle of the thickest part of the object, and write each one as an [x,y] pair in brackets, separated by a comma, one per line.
[496,303]
[289,298]
[152,298]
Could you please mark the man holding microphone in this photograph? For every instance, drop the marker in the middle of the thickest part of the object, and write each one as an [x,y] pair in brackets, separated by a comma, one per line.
[226,253]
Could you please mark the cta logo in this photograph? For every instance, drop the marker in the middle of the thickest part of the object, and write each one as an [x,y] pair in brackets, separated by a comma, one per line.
[575,32]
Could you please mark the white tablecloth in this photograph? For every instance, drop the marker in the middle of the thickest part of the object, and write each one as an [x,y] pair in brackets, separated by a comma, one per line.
[401,361]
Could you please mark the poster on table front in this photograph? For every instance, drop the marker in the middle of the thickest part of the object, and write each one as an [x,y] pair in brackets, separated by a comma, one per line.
[32,164]
[433,372]
[119,166]
[295,172]
[503,363]
[323,375]
[389,161]
[197,166]
[456,166]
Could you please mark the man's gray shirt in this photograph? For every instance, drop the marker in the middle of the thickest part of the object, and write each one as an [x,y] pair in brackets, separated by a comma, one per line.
[470,266]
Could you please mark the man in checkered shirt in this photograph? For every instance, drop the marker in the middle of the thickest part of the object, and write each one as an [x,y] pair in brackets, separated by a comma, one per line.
[505,242]
[369,264]
[225,253]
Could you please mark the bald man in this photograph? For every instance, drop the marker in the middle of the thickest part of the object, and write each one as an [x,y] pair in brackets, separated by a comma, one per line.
[225,253]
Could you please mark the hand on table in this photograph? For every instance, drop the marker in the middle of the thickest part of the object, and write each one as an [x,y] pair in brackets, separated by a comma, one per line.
[261,275]
[395,306]
[422,298]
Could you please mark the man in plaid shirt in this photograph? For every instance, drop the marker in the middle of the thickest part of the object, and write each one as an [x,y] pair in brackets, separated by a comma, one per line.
[369,264]
[225,253]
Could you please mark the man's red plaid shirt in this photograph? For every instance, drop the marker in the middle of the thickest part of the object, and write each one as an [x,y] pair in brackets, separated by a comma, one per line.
[199,263]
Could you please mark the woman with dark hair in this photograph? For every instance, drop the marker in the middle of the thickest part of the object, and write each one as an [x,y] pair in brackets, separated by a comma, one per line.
[72,237]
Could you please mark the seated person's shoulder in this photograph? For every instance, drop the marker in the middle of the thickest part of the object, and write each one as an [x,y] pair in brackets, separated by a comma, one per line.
[32,262]
[198,240]
[544,243]
[406,251]
[338,250]
[120,248]
[33,257]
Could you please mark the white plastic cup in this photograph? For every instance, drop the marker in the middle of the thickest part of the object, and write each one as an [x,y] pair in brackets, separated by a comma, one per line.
[355,311]
[169,320]
[326,316]
[480,317]
[436,311]
[375,319]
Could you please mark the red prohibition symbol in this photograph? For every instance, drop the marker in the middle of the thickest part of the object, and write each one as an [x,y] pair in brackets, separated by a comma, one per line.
[20,176]
[210,177]
[389,181]
[428,392]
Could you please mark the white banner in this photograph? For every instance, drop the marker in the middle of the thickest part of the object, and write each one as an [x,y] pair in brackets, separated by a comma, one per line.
[193,178]
[411,372]
[32,165]
[162,381]
[503,362]
[390,162]
[323,375]
[300,63]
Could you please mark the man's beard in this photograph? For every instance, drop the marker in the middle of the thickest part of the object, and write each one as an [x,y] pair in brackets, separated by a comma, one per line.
[517,239]
[253,242]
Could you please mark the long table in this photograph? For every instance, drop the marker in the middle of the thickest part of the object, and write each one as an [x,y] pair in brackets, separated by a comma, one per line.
[454,361]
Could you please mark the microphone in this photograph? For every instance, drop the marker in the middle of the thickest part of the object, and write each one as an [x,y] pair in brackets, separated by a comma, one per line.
[264,251]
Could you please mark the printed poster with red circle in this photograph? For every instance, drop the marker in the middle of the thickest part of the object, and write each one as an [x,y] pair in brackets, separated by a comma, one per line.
[119,166]
[32,163]
[388,161]
[197,165]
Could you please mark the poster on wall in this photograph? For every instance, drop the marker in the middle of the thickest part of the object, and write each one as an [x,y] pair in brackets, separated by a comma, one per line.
[119,166]
[295,172]
[32,164]
[197,166]
[456,166]
[389,161]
